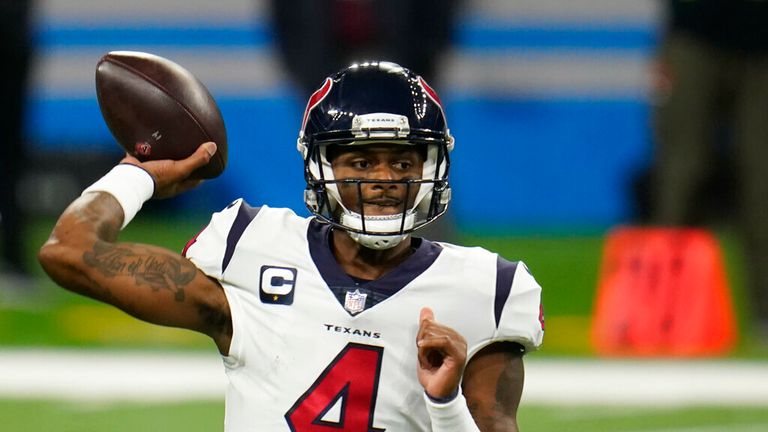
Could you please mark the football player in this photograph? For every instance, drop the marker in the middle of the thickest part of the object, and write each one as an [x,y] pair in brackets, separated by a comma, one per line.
[341,321]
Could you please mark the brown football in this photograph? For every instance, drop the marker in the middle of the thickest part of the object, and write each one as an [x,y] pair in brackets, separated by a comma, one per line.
[156,109]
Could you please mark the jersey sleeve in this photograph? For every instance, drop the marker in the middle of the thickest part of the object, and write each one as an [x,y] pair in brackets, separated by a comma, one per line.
[207,250]
[518,310]
[212,251]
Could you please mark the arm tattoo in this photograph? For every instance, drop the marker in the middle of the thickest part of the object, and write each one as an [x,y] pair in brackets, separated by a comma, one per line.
[157,271]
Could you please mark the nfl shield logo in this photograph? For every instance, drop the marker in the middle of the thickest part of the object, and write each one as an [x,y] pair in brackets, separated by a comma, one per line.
[354,302]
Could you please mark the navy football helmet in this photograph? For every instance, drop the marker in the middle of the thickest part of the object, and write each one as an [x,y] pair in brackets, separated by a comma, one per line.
[369,103]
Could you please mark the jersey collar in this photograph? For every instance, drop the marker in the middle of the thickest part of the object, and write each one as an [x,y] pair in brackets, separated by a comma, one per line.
[318,236]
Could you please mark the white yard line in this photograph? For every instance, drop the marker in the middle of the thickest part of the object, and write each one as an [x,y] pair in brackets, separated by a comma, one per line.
[177,376]
[105,375]
[646,382]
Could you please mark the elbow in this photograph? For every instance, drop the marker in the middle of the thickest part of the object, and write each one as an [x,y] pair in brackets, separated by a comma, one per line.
[56,260]
[50,256]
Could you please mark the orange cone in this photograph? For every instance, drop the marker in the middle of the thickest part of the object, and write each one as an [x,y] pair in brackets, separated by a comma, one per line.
[663,292]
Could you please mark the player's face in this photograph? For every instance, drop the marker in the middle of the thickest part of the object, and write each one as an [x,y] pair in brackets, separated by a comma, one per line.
[377,162]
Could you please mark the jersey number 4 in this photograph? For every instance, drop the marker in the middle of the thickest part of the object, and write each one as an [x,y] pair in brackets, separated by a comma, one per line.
[343,397]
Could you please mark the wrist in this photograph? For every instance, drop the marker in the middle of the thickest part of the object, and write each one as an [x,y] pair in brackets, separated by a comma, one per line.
[443,399]
[450,416]
[130,185]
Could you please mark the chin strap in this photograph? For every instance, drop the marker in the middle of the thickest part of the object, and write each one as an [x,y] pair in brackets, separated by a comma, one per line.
[378,224]
[377,242]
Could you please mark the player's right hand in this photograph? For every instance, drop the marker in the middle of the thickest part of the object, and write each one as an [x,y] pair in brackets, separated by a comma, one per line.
[172,176]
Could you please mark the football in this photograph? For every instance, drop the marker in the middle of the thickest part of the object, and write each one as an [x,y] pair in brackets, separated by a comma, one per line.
[156,109]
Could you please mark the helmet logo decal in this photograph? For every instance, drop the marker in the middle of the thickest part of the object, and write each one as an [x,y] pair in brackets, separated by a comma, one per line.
[315,99]
[431,92]
[436,99]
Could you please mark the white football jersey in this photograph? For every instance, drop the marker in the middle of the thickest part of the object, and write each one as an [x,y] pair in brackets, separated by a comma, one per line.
[314,350]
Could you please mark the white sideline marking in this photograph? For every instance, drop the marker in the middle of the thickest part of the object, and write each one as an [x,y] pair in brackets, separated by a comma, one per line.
[176,376]
[110,375]
[646,382]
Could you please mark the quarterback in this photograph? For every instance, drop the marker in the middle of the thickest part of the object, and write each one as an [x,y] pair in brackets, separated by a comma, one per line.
[343,321]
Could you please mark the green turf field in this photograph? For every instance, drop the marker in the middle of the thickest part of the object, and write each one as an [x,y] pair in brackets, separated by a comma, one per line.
[637,419]
[24,416]
[39,416]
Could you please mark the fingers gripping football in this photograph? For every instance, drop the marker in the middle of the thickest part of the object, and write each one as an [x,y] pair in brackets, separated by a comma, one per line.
[442,353]
[172,177]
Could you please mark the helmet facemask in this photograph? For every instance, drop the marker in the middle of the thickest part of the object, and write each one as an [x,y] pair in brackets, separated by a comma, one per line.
[426,197]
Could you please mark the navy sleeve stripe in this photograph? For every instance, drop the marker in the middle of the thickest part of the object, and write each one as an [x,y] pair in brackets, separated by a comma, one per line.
[245,215]
[505,275]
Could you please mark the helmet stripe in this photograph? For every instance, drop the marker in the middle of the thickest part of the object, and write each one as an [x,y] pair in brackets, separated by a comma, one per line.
[315,99]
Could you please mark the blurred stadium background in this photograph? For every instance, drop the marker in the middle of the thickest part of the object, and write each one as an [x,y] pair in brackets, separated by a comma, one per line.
[557,95]
[549,102]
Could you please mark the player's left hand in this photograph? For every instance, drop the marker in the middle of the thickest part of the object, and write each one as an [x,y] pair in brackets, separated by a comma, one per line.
[442,353]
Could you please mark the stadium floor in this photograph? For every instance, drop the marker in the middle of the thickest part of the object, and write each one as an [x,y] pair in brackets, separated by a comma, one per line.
[176,376]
